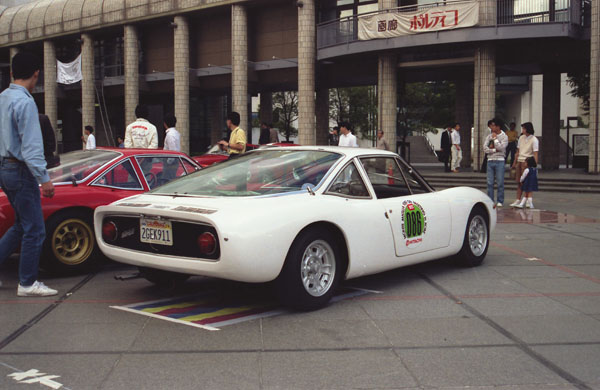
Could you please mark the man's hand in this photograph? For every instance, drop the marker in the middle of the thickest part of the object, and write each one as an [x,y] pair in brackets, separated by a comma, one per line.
[48,189]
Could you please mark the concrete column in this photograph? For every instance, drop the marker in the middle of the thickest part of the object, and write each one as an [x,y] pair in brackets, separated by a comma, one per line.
[266,107]
[464,115]
[387,90]
[484,104]
[182,80]
[550,143]
[322,116]
[594,155]
[487,12]
[50,99]
[13,52]
[307,55]
[239,64]
[387,98]
[132,72]
[88,94]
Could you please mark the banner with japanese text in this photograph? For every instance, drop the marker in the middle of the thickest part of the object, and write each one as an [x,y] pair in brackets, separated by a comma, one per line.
[394,23]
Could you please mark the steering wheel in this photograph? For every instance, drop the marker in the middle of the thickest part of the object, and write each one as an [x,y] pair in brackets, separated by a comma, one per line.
[151,179]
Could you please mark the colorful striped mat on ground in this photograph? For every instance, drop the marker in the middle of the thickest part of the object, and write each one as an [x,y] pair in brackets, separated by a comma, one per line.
[211,310]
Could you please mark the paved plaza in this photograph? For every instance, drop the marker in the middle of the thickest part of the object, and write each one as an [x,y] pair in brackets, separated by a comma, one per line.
[528,318]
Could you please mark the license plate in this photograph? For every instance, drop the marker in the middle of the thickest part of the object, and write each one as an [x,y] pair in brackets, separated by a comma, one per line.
[156,231]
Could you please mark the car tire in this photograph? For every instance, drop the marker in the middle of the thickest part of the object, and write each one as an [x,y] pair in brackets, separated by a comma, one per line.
[70,245]
[311,271]
[477,239]
[163,279]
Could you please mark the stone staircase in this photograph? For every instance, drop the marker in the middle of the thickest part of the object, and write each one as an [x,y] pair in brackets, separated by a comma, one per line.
[566,180]
[420,153]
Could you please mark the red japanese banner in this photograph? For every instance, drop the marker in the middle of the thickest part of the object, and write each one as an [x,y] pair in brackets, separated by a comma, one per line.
[393,24]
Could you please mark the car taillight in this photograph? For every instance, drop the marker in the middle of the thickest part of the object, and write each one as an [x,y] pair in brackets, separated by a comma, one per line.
[109,231]
[207,243]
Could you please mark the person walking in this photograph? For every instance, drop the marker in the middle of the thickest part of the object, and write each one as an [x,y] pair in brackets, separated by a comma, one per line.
[528,146]
[90,142]
[347,138]
[141,133]
[237,140]
[52,160]
[511,149]
[273,134]
[381,142]
[172,136]
[494,148]
[22,170]
[456,150]
[446,145]
[265,134]
[529,183]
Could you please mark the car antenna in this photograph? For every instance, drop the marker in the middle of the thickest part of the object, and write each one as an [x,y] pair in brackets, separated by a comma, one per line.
[310,190]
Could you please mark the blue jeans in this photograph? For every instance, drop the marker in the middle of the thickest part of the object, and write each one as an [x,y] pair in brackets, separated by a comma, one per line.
[495,172]
[23,193]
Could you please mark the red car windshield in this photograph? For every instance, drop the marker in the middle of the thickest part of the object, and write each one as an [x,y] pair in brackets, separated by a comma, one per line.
[80,164]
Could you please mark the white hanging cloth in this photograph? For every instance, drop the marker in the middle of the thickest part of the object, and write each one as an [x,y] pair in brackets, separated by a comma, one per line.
[69,73]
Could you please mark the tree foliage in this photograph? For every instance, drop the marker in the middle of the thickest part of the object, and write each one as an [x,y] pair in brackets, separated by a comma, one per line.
[579,81]
[357,105]
[425,106]
[285,112]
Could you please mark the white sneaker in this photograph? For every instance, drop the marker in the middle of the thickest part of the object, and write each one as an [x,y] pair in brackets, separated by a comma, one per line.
[529,203]
[37,289]
[515,203]
[499,204]
[521,204]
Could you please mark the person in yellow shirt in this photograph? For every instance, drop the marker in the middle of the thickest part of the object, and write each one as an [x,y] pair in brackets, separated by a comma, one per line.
[511,149]
[237,141]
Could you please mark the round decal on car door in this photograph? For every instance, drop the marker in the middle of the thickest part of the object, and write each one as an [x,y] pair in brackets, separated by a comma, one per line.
[414,223]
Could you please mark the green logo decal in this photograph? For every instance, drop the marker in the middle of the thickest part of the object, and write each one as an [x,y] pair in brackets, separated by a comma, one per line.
[413,221]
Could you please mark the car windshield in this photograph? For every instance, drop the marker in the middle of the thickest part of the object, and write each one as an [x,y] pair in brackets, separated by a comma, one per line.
[258,173]
[80,164]
[216,149]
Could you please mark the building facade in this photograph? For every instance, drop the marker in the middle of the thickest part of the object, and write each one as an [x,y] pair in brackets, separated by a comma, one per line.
[201,58]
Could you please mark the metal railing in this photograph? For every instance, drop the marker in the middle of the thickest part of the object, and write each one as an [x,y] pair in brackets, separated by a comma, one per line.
[427,142]
[508,12]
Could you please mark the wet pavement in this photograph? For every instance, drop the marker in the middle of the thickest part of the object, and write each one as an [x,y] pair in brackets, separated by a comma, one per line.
[528,318]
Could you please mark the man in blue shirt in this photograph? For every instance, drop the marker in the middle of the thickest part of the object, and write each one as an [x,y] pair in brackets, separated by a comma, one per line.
[22,167]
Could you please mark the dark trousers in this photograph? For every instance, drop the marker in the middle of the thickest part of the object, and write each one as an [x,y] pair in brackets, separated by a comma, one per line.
[446,159]
[511,149]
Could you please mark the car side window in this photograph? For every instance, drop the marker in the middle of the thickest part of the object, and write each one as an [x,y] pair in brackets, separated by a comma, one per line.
[349,183]
[415,182]
[385,177]
[121,176]
[189,167]
[160,170]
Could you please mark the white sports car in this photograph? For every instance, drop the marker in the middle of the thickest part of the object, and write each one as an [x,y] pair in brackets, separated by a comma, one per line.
[304,217]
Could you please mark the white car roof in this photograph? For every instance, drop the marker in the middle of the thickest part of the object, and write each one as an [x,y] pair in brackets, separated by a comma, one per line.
[347,151]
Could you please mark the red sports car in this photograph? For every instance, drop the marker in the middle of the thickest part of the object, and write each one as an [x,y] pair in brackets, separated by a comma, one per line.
[216,154]
[85,180]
